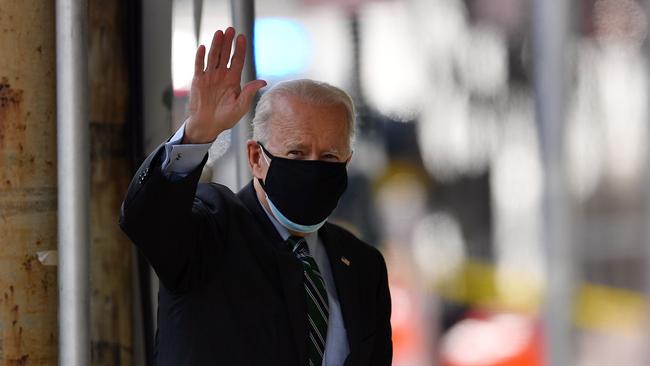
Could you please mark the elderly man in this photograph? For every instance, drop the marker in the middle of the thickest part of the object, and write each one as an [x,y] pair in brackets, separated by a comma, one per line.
[259,277]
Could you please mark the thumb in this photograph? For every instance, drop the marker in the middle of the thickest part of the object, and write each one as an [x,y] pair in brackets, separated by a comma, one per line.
[248,92]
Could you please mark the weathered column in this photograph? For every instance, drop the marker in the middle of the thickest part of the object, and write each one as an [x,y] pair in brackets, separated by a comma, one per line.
[111,264]
[28,176]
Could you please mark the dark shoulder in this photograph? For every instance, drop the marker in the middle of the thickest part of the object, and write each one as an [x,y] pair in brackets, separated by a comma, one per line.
[214,196]
[218,199]
[212,191]
[358,248]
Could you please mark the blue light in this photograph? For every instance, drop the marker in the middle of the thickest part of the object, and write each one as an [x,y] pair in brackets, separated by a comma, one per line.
[282,48]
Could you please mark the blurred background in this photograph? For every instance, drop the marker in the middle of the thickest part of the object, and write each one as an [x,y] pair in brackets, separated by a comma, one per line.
[500,165]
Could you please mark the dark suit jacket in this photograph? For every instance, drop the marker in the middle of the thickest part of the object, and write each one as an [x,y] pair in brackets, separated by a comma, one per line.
[231,293]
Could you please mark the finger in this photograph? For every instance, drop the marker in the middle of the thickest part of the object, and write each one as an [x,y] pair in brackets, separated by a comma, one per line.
[226,47]
[199,60]
[215,48]
[239,57]
[248,92]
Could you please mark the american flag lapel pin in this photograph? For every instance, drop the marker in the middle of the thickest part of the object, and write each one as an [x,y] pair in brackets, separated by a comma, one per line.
[345,261]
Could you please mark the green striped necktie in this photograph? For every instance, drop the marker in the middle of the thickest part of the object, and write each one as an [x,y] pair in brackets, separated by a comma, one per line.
[317,305]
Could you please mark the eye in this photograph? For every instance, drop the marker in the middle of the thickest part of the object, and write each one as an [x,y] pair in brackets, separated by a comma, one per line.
[295,154]
[330,157]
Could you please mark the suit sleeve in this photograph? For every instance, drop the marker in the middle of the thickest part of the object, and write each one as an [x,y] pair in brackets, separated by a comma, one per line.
[162,218]
[383,348]
[181,159]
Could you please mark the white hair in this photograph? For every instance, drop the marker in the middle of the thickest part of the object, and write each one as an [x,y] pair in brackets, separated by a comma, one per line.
[315,92]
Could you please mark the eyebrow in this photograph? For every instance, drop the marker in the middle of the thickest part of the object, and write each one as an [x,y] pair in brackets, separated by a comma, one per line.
[301,146]
[295,145]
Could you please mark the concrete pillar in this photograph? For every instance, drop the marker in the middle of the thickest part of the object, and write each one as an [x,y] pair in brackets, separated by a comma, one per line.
[551,35]
[243,19]
[28,176]
[28,202]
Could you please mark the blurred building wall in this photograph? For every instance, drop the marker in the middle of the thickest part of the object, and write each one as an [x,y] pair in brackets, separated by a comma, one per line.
[111,97]
[28,206]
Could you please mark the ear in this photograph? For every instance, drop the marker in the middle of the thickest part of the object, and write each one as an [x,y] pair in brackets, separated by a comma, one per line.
[255,160]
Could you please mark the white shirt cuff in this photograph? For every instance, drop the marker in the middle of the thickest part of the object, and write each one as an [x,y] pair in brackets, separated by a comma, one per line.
[181,159]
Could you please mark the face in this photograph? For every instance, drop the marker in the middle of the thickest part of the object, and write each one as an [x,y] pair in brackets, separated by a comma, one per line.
[305,131]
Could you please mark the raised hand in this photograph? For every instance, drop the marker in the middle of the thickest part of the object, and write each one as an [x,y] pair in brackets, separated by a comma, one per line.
[217,100]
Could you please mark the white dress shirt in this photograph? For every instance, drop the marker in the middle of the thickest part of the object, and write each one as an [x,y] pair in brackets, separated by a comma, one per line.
[180,159]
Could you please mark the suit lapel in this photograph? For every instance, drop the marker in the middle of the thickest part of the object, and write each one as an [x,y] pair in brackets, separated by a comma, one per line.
[346,279]
[288,267]
[249,198]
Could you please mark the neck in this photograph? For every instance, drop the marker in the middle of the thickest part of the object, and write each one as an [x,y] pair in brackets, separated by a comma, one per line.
[261,196]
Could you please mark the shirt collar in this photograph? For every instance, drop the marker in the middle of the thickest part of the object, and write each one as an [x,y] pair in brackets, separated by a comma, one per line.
[311,238]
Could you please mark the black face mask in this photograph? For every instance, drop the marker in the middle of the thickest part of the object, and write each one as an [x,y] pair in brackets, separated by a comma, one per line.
[303,191]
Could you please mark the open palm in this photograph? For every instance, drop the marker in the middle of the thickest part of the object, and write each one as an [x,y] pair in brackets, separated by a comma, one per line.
[217,100]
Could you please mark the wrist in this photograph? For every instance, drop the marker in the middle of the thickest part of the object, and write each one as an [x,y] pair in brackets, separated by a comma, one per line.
[192,136]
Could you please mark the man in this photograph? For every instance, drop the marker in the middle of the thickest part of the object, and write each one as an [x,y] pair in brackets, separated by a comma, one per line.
[259,277]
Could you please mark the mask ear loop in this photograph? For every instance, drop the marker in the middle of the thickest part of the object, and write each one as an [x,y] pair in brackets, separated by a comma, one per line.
[264,153]
[268,164]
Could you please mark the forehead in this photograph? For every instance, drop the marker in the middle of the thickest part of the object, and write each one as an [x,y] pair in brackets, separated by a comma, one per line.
[296,120]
